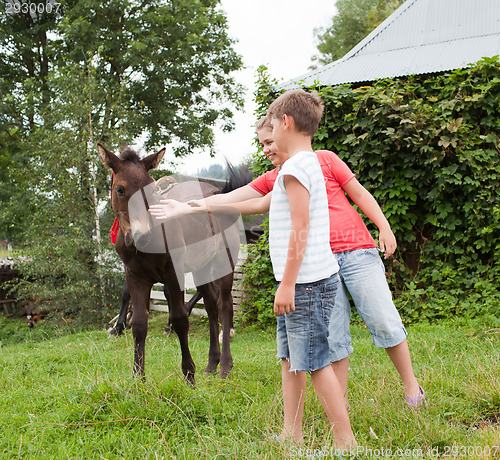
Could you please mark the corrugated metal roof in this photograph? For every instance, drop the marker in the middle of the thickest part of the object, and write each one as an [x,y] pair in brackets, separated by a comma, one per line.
[421,36]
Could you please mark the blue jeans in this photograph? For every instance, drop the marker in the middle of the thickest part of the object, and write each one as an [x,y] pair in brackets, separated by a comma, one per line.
[362,273]
[302,336]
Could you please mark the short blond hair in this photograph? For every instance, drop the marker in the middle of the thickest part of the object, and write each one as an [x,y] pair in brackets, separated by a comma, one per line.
[305,108]
[264,122]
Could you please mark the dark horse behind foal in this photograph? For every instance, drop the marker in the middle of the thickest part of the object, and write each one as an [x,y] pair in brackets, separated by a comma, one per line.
[205,244]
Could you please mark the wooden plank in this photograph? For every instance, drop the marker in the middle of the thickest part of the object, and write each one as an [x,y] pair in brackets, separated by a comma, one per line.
[164,309]
[157,307]
[158,298]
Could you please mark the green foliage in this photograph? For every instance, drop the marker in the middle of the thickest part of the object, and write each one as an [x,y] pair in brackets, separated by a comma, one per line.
[354,20]
[264,96]
[170,60]
[259,282]
[427,148]
[68,263]
[108,71]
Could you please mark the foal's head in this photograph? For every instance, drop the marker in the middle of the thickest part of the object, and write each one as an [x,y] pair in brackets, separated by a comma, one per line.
[130,176]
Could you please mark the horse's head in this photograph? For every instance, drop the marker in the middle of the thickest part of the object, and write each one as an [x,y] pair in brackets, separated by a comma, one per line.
[130,177]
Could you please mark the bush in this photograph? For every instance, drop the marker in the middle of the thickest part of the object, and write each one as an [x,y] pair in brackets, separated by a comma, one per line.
[427,148]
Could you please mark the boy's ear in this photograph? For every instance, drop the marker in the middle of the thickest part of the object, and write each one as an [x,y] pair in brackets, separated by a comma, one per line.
[287,121]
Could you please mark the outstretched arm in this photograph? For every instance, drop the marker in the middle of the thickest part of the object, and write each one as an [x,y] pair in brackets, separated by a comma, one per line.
[249,207]
[364,199]
[171,208]
[235,196]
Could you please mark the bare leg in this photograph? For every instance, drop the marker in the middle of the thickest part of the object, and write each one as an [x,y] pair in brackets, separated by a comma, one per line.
[400,356]
[341,369]
[330,394]
[294,386]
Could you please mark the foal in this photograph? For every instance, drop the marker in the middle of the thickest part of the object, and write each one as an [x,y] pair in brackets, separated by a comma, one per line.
[206,245]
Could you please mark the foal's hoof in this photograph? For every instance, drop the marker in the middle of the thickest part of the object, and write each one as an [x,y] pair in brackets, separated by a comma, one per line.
[232,333]
[189,377]
[139,377]
[224,373]
[117,330]
[168,330]
[210,369]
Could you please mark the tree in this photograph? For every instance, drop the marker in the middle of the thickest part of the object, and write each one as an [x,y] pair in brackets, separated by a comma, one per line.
[109,71]
[354,20]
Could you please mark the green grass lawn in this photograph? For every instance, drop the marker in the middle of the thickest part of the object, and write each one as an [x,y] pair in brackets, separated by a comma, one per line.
[73,397]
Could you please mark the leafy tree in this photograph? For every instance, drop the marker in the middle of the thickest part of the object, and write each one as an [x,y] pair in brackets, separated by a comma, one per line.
[168,59]
[354,20]
[108,71]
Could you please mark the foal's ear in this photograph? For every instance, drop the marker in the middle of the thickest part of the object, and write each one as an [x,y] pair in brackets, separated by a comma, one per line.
[108,159]
[152,161]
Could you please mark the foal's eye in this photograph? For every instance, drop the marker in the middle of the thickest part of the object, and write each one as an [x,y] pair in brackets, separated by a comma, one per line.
[120,189]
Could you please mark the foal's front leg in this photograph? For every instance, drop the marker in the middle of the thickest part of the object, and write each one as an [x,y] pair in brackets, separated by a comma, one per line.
[121,322]
[139,291]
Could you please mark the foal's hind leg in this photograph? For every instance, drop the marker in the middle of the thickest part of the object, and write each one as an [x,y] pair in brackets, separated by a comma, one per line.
[225,303]
[209,293]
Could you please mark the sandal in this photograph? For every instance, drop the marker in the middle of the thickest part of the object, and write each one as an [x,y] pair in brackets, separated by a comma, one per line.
[414,402]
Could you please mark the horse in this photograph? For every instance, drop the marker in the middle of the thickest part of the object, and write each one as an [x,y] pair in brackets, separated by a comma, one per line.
[237,178]
[205,244]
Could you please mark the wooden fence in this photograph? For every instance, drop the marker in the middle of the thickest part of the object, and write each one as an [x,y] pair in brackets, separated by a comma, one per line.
[7,273]
[159,303]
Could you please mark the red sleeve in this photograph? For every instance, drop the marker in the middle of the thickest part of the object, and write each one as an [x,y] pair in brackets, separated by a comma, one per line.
[334,168]
[265,183]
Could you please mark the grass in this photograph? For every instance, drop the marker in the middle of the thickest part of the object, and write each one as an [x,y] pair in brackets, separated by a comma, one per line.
[73,397]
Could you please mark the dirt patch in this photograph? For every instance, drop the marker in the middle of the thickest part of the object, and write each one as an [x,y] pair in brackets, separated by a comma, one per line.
[491,420]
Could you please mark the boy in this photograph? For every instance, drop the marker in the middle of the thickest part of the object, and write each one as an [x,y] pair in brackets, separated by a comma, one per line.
[303,263]
[299,244]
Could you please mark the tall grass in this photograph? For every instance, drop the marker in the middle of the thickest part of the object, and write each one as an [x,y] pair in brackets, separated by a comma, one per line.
[73,397]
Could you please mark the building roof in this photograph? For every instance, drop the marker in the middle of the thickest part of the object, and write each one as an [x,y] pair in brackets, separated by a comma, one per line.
[421,36]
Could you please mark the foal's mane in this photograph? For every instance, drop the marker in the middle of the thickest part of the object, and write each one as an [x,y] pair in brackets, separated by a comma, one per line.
[129,154]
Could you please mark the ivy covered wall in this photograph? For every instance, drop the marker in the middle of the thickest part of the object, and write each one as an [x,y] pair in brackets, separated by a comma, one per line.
[427,148]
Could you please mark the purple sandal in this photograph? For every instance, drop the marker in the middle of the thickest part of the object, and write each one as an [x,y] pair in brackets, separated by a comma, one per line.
[414,402]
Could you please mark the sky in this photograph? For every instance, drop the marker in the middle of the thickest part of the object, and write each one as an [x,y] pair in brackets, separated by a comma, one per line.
[276,33]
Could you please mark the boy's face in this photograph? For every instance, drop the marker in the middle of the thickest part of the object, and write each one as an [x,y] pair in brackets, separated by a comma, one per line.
[269,148]
[277,132]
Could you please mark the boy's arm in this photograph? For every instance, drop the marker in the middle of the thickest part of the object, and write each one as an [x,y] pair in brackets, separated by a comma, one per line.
[168,209]
[364,199]
[244,200]
[298,198]
[235,196]
[250,206]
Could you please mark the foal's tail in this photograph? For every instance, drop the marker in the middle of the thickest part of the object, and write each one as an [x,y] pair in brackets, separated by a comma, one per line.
[237,178]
